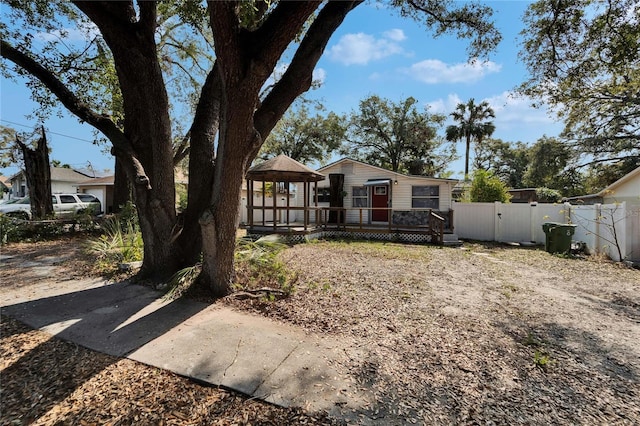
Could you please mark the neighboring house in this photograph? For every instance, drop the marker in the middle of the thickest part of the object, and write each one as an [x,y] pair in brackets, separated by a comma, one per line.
[627,188]
[63,180]
[523,195]
[5,187]
[369,186]
[101,188]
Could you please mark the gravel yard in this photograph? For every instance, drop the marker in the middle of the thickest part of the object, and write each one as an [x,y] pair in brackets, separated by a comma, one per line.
[482,334]
[479,334]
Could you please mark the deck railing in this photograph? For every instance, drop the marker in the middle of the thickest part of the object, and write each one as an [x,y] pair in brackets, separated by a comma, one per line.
[355,219]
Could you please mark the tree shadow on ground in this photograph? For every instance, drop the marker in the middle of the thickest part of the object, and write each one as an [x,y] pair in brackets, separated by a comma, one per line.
[114,319]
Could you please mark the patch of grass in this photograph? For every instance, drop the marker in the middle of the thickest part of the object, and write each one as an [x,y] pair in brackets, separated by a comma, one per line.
[542,360]
[258,265]
[120,243]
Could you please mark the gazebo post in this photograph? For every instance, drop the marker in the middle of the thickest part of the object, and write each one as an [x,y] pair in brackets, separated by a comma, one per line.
[306,204]
[315,201]
[275,198]
[263,203]
[288,204]
[250,202]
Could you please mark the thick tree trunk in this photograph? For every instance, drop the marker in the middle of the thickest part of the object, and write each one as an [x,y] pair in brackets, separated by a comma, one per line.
[121,187]
[219,223]
[148,154]
[38,174]
[201,166]
[246,60]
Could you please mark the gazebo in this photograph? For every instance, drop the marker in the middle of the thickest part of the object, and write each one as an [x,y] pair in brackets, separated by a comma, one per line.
[281,172]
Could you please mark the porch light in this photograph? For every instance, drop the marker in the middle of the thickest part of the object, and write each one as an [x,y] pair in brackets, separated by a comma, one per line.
[395,182]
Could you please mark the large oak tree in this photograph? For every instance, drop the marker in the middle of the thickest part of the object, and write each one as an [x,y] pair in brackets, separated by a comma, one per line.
[231,119]
[583,57]
[398,136]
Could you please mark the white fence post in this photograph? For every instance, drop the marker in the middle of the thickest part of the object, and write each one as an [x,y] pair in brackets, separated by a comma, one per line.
[497,218]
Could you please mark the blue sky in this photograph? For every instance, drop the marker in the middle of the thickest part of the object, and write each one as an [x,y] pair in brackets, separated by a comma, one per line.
[375,51]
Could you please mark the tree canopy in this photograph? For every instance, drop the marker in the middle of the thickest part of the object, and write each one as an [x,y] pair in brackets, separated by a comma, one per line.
[305,137]
[487,188]
[583,57]
[398,137]
[473,126]
[231,118]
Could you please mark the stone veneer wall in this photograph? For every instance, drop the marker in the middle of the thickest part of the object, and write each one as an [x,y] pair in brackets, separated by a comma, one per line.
[417,217]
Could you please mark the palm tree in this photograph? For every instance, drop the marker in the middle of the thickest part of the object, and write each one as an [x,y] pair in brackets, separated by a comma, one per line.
[473,126]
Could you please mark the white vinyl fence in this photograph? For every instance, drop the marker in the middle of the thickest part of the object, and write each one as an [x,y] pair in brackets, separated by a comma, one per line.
[603,228]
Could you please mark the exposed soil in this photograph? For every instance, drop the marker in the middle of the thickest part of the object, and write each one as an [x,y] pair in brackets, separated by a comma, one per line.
[483,334]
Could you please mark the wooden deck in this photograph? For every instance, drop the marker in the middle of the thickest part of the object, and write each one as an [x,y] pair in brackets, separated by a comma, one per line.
[321,222]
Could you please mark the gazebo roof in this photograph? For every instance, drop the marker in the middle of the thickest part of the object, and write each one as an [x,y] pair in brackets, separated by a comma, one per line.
[283,169]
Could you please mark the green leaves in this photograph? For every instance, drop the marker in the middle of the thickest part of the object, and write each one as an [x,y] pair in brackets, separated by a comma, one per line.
[487,188]
[305,137]
[583,58]
[398,137]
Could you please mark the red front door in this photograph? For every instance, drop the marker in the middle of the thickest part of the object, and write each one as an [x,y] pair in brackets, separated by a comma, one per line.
[380,199]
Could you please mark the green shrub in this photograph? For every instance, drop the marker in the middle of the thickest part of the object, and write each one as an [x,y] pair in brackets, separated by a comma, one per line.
[487,188]
[548,195]
[116,244]
[258,265]
[17,230]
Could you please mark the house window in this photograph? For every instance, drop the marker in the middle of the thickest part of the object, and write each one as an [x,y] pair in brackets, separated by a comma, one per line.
[324,195]
[359,196]
[380,190]
[425,197]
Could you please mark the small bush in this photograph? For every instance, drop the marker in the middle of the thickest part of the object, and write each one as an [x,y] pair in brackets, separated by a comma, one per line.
[18,230]
[487,188]
[258,265]
[116,245]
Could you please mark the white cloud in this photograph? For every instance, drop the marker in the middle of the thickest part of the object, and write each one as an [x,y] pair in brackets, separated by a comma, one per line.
[85,32]
[434,71]
[513,110]
[516,118]
[395,34]
[444,106]
[361,48]
[319,76]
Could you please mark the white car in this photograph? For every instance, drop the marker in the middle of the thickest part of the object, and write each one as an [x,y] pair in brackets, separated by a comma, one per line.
[64,205]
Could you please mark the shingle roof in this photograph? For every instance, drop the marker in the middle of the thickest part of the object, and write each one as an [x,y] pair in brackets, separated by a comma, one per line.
[283,169]
[106,180]
[60,174]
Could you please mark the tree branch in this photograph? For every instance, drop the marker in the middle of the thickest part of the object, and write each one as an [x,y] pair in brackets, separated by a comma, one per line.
[68,99]
[297,78]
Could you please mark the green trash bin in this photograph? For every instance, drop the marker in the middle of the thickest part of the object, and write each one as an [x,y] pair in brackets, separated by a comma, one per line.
[558,236]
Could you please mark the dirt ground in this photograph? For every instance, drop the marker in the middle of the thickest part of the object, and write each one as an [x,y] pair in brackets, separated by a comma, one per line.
[479,334]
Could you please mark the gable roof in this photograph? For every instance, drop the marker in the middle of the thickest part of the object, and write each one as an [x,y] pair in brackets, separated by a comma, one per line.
[624,179]
[101,181]
[60,174]
[283,168]
[345,159]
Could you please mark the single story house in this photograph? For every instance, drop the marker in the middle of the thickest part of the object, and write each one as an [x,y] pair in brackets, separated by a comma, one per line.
[101,188]
[348,198]
[63,180]
[627,188]
[373,195]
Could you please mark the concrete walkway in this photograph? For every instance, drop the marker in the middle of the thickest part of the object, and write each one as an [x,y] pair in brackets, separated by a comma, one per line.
[275,362]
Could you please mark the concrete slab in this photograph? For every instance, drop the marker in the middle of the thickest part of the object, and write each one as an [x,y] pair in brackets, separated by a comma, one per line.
[276,362]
